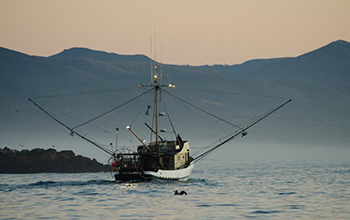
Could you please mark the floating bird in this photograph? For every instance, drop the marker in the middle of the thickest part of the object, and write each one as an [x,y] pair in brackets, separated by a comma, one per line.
[180,193]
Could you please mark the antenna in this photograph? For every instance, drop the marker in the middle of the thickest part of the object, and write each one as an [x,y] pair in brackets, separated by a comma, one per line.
[161,58]
[150,48]
[155,43]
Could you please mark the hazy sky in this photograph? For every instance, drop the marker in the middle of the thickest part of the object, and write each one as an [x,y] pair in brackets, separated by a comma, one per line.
[193,32]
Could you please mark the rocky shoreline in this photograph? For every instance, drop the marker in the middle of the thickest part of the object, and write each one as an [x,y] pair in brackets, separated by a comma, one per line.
[47,161]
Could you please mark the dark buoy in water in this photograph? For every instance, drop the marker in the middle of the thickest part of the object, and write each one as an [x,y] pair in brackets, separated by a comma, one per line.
[180,193]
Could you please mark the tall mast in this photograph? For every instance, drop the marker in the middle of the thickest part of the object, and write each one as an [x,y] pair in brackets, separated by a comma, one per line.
[156,87]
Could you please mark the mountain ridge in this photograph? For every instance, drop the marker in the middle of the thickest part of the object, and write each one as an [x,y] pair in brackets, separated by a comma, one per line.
[320,91]
[340,48]
[329,63]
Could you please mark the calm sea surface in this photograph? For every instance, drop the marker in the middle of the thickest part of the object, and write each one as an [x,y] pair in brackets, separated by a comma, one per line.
[296,189]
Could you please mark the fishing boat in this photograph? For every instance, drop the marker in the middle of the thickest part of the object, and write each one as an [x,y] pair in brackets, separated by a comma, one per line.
[160,158]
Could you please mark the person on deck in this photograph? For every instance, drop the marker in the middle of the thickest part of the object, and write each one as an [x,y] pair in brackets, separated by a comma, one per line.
[179,140]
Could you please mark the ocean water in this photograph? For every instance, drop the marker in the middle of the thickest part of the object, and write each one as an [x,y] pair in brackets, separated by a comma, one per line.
[217,189]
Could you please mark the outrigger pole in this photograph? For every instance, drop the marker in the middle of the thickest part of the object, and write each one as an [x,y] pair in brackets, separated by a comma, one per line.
[80,135]
[242,132]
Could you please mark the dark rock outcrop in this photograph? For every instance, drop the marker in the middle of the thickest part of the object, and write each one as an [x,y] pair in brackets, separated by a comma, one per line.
[47,161]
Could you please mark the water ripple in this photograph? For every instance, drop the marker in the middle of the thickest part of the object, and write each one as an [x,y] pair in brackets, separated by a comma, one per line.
[240,190]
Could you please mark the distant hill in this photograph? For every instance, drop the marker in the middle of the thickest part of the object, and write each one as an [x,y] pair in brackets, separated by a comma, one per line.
[78,52]
[317,81]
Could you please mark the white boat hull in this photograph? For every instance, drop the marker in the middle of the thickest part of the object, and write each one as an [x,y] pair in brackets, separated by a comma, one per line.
[180,174]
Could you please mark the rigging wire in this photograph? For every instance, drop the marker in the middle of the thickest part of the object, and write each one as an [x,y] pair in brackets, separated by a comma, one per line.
[108,119]
[142,109]
[202,149]
[204,118]
[79,120]
[80,93]
[210,151]
[61,112]
[221,119]
[48,107]
[153,119]
[167,113]
[113,109]
[235,93]
[72,132]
